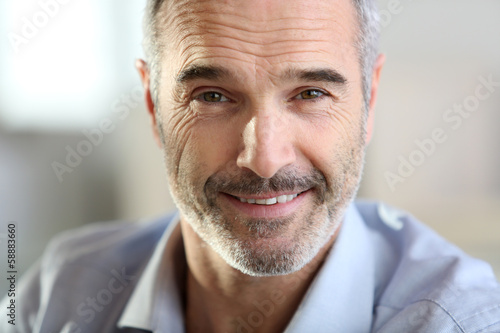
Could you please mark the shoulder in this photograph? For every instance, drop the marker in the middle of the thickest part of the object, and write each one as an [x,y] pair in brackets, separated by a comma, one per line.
[112,241]
[97,260]
[426,283]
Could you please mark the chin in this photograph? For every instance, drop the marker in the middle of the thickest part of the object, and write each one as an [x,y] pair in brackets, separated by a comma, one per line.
[275,255]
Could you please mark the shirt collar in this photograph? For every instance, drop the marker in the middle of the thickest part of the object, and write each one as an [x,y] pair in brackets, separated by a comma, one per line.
[340,298]
[159,287]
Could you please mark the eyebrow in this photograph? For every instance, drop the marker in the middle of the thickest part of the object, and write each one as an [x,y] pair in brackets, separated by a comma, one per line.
[195,72]
[216,73]
[327,75]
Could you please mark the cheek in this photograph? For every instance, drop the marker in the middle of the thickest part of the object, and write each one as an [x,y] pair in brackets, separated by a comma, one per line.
[216,143]
[328,141]
[197,147]
[177,128]
[320,145]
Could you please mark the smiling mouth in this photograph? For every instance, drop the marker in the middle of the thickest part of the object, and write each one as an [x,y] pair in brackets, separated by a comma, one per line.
[269,201]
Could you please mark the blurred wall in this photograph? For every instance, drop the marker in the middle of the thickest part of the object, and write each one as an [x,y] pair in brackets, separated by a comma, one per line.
[438,53]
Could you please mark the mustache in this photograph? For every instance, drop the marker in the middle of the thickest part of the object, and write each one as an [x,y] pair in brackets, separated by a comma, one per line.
[247,182]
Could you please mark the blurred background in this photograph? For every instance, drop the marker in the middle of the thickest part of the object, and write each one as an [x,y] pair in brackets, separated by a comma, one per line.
[67,74]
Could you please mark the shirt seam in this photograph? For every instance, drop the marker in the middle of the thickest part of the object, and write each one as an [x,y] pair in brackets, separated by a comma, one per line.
[445,310]
[483,311]
[431,301]
[490,325]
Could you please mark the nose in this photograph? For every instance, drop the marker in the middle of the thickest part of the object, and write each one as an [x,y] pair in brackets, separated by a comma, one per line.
[267,144]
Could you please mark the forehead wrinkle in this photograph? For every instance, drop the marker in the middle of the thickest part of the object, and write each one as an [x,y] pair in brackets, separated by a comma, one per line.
[266,12]
[194,46]
[264,26]
[195,23]
[259,40]
[199,30]
[195,17]
[257,54]
[263,34]
[271,52]
[242,40]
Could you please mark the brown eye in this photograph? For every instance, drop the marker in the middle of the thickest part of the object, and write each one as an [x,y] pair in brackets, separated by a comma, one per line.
[310,94]
[212,97]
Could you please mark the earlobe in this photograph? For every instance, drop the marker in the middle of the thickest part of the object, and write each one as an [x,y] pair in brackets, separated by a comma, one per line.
[377,70]
[143,69]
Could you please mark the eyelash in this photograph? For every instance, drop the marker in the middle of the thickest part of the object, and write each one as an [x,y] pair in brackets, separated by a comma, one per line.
[321,94]
[200,97]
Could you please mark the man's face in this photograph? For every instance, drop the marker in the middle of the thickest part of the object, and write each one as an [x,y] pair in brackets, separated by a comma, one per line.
[261,114]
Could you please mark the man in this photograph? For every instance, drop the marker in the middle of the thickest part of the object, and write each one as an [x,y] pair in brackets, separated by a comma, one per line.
[263,110]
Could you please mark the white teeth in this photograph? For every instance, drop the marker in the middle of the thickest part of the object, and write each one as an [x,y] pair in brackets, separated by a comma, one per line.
[270,201]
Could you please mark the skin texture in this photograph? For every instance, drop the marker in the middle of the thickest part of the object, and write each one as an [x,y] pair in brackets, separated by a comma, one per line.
[258,99]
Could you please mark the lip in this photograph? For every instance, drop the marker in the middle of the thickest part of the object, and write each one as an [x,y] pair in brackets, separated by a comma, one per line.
[266,211]
[266,196]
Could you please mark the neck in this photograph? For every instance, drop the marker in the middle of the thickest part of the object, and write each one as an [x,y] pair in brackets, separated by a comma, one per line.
[220,298]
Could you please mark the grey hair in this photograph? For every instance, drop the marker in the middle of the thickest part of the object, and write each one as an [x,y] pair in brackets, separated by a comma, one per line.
[151,43]
[366,43]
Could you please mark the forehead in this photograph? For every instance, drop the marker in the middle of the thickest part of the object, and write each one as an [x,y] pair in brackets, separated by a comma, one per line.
[265,34]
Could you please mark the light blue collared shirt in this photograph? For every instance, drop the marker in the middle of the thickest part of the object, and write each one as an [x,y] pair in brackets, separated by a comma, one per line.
[386,273]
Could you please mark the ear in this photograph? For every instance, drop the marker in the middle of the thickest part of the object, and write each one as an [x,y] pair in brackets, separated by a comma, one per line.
[377,70]
[143,69]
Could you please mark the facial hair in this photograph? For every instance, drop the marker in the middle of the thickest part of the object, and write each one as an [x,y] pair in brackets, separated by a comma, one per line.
[238,239]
